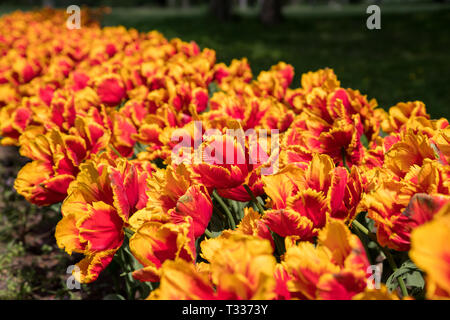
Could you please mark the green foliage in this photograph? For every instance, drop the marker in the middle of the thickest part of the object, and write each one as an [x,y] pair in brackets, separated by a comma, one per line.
[373,250]
[365,141]
[412,276]
[213,88]
[382,64]
[138,148]
[113,296]
[126,287]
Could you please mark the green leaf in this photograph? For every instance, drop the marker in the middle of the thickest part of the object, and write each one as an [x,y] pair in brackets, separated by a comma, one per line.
[217,222]
[372,245]
[136,265]
[213,88]
[364,141]
[412,276]
[238,207]
[113,296]
[383,134]
[56,207]
[216,233]
[369,223]
[415,280]
[138,147]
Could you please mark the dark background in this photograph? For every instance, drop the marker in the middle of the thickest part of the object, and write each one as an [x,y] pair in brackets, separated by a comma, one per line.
[408,59]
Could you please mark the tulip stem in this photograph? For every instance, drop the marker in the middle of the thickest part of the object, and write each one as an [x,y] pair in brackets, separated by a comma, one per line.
[208,233]
[393,265]
[255,201]
[128,232]
[363,229]
[225,208]
[125,266]
[386,252]
[344,161]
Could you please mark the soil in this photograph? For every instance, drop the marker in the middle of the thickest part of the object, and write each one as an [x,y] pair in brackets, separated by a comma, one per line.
[39,270]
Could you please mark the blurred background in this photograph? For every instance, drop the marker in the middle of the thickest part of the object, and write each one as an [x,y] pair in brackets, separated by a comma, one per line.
[407,60]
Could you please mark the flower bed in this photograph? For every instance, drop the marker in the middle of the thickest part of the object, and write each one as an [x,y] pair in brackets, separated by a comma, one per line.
[204,182]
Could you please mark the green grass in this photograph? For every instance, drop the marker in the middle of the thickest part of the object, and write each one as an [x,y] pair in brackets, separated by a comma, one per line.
[408,59]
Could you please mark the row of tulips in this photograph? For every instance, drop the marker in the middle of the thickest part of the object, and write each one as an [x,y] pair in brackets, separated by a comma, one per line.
[96,111]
